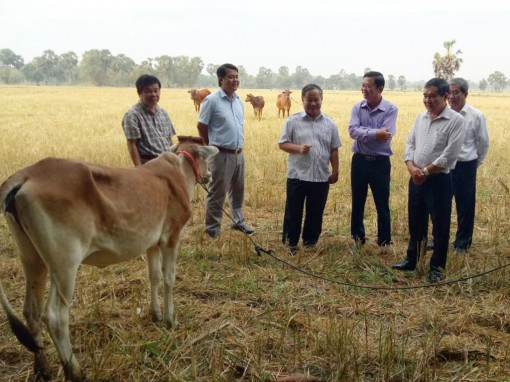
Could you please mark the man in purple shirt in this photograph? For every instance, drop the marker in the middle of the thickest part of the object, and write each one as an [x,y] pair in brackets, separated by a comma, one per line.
[372,126]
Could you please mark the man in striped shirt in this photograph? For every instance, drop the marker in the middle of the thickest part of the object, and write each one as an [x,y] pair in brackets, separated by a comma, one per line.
[311,139]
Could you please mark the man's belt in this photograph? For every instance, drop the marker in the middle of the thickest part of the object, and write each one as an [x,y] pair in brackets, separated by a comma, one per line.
[371,158]
[230,151]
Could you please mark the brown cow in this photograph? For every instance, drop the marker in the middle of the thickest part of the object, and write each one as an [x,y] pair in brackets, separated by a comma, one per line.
[63,213]
[258,104]
[198,96]
[283,102]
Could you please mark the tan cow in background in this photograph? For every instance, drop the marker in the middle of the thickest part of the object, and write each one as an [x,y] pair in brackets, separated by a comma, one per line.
[283,103]
[198,96]
[258,104]
[63,213]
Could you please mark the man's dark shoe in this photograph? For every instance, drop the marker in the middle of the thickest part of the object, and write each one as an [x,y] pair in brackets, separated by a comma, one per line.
[405,265]
[461,251]
[384,243]
[309,244]
[243,228]
[359,241]
[435,276]
[212,233]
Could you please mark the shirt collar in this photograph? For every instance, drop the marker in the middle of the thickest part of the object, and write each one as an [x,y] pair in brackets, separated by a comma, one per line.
[382,105]
[303,115]
[147,109]
[224,95]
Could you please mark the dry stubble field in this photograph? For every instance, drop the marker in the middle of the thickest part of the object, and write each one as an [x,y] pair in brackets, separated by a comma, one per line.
[256,318]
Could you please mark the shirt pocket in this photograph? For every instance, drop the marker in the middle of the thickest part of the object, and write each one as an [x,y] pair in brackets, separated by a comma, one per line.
[441,140]
[325,137]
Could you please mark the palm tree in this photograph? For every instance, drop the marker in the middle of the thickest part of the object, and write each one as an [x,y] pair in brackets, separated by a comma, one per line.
[446,66]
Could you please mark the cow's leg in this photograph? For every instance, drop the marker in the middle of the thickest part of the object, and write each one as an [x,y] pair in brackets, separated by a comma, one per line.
[56,315]
[168,264]
[154,265]
[35,272]
[35,282]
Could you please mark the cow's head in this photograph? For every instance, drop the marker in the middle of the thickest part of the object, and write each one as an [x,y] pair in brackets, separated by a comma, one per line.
[196,154]
[193,93]
[248,98]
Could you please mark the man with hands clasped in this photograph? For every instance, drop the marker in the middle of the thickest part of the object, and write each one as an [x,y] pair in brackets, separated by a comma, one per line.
[311,139]
[432,149]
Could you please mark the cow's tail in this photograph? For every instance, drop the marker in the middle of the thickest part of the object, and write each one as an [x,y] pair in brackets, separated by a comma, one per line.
[8,191]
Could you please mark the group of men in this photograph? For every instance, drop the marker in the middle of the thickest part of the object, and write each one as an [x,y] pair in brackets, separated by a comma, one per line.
[443,151]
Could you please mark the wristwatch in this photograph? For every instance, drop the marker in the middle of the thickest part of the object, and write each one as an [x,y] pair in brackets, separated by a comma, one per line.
[425,171]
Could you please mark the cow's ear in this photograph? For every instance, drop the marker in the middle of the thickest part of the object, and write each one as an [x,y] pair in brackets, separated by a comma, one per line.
[207,151]
[173,149]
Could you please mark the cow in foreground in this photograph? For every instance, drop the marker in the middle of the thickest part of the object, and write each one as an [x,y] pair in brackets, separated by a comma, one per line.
[258,104]
[198,96]
[283,103]
[63,213]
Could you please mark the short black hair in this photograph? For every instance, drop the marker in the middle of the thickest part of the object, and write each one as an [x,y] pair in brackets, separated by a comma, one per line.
[309,87]
[377,76]
[222,71]
[146,80]
[441,85]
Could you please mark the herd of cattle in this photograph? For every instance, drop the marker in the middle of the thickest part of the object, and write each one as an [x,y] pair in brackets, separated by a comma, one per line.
[283,102]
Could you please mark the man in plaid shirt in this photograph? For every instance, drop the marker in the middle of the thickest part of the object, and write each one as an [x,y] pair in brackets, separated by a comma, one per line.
[147,126]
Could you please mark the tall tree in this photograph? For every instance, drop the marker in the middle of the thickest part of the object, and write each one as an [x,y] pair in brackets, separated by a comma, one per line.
[402,82]
[68,66]
[391,82]
[446,66]
[283,78]
[165,69]
[10,65]
[9,59]
[264,78]
[247,80]
[49,66]
[32,73]
[94,66]
[483,84]
[121,71]
[497,80]
[211,69]
[301,77]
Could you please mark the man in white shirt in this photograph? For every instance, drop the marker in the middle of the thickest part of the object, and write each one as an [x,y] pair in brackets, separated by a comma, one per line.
[474,150]
[432,148]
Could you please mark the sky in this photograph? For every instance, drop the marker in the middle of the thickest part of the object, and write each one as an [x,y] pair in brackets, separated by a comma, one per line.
[398,37]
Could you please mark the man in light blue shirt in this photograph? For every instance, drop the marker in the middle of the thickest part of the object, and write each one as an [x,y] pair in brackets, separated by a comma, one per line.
[221,124]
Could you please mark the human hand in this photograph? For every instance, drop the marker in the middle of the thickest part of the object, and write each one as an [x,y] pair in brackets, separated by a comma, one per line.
[305,149]
[417,176]
[383,135]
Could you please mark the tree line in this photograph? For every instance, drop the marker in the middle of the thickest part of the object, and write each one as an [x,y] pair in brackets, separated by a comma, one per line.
[100,67]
